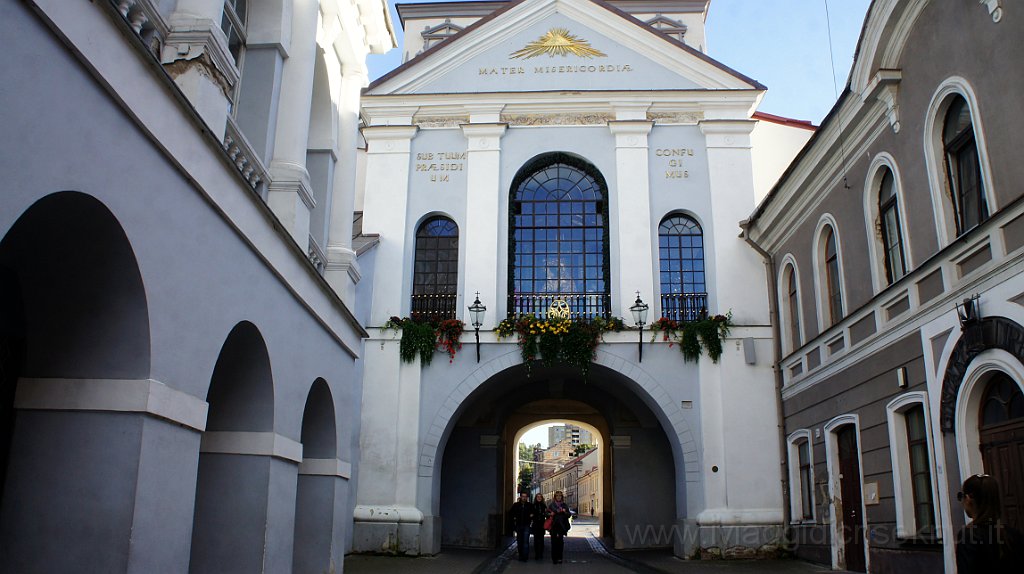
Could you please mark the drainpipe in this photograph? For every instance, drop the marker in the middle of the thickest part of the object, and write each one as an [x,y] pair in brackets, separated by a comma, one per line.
[773,314]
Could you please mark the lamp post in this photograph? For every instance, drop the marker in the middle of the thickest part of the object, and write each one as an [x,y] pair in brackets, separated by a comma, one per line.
[476,315]
[639,311]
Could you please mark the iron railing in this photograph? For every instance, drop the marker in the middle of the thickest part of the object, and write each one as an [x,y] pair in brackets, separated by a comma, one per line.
[580,305]
[434,306]
[681,307]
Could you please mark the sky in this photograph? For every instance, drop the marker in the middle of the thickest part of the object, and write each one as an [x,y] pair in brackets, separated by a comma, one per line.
[538,434]
[784,44]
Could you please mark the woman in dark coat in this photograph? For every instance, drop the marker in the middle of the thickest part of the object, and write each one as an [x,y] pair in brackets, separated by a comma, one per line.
[521,517]
[985,545]
[559,525]
[540,514]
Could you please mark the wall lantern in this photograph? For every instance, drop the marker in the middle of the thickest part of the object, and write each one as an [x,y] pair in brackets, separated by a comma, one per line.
[639,311]
[476,316]
[968,312]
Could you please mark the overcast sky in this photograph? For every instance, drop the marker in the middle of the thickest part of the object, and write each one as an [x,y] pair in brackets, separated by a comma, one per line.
[781,43]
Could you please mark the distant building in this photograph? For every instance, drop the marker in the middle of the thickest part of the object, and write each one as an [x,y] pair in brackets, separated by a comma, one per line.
[568,479]
[575,434]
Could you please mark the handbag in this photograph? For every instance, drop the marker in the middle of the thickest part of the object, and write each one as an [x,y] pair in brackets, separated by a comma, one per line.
[547,523]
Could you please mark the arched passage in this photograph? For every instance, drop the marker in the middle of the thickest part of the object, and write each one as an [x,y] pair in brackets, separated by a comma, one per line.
[236,460]
[645,463]
[317,548]
[73,324]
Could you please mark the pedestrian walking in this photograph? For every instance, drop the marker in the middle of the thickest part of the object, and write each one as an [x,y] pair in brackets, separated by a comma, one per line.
[559,525]
[540,515]
[521,517]
[985,545]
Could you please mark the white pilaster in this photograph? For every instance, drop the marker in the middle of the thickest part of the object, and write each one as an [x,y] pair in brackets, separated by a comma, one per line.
[738,424]
[483,213]
[289,194]
[385,213]
[342,270]
[736,281]
[629,206]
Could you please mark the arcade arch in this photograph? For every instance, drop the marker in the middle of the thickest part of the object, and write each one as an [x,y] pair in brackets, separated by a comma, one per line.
[73,318]
[472,477]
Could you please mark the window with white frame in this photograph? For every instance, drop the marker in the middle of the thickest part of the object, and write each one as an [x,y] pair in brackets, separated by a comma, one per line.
[801,477]
[792,302]
[963,166]
[913,478]
[892,238]
[233,23]
[831,276]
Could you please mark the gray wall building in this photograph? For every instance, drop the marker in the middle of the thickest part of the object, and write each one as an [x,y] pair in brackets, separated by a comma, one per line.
[895,242]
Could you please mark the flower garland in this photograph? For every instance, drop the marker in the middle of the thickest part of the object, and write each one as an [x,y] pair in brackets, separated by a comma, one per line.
[421,338]
[695,336]
[573,342]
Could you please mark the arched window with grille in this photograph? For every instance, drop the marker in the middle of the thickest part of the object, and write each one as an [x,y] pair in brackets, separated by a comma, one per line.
[892,238]
[435,279]
[681,264]
[558,238]
[963,167]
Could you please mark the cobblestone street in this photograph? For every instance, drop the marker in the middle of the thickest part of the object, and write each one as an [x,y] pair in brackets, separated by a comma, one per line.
[584,552]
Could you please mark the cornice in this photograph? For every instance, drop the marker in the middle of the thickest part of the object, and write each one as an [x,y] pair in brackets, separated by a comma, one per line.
[485,131]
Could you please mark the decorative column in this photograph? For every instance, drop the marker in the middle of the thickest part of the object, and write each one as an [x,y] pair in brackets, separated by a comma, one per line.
[629,206]
[483,209]
[196,55]
[342,270]
[289,194]
[385,213]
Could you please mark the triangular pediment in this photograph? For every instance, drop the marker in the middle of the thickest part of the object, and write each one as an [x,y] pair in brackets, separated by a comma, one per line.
[557,45]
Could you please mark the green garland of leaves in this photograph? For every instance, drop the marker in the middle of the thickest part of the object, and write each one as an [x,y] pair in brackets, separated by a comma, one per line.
[422,338]
[573,342]
[694,337]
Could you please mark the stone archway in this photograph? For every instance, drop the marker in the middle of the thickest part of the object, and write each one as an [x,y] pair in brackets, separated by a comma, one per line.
[564,411]
[663,430]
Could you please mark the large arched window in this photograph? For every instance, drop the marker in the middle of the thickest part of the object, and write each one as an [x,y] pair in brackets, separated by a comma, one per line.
[681,254]
[963,167]
[558,238]
[833,281]
[892,238]
[435,279]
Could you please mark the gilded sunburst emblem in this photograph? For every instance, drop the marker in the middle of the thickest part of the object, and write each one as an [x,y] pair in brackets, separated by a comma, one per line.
[558,42]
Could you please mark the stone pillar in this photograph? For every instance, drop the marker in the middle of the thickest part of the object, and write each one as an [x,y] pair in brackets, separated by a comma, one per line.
[245,502]
[101,473]
[342,270]
[319,534]
[629,206]
[385,213]
[483,216]
[386,517]
[289,194]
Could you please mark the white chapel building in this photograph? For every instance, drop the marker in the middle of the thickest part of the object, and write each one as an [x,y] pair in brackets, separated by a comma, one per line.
[587,153]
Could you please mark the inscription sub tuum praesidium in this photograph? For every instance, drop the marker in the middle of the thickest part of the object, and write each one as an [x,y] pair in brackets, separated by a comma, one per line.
[675,161]
[438,165]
